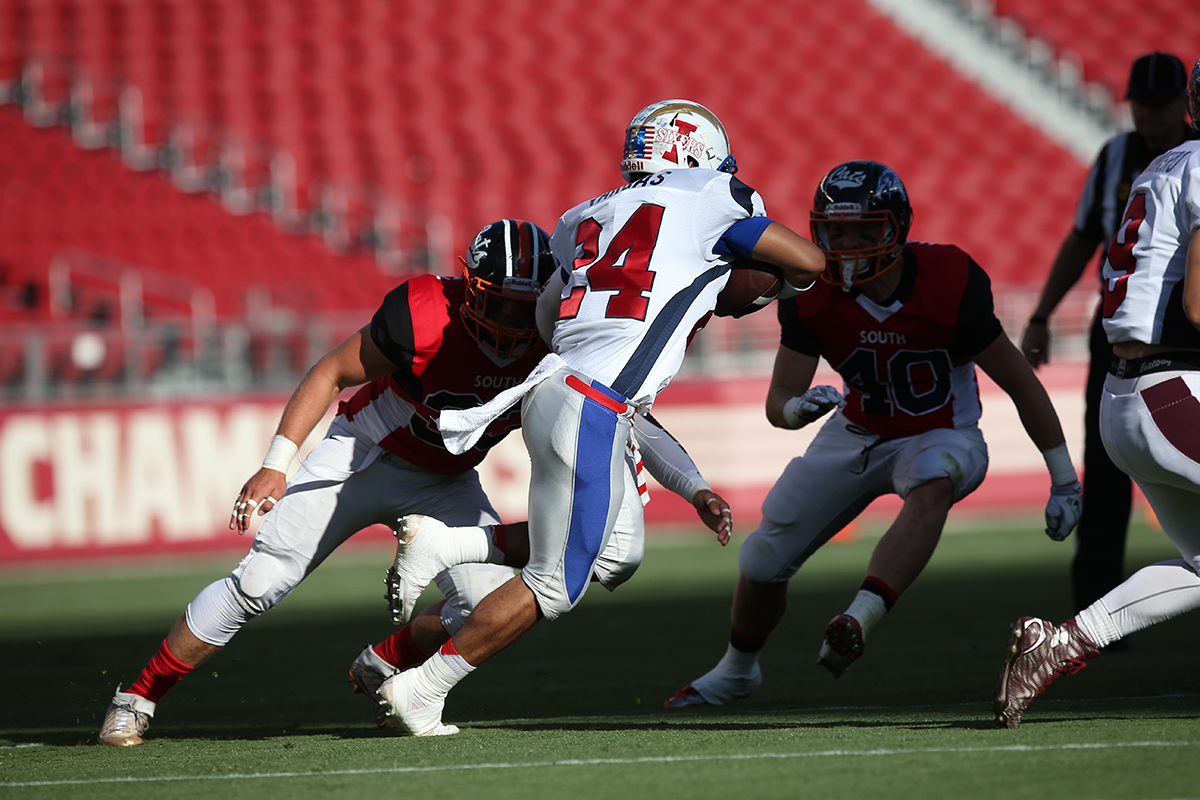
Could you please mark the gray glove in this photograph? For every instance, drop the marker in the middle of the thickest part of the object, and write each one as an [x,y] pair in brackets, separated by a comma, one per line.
[1063,510]
[811,406]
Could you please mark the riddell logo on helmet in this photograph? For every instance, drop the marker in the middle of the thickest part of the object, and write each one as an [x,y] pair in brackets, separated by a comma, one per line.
[521,285]
[843,208]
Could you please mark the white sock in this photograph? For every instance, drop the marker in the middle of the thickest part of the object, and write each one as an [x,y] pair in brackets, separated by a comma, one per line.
[469,545]
[441,673]
[1152,594]
[737,662]
[868,608]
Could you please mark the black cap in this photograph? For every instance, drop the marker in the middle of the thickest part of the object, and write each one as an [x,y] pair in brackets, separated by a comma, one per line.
[1157,78]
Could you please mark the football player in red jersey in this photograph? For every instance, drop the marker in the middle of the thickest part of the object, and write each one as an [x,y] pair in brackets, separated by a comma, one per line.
[904,324]
[434,343]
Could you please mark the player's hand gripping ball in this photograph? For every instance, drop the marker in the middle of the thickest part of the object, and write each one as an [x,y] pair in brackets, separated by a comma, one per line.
[752,286]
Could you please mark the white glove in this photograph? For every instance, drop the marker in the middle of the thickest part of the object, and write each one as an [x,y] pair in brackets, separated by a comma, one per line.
[1063,510]
[811,406]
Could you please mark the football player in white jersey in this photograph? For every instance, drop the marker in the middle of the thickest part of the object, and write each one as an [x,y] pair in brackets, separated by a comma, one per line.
[640,270]
[1149,420]
[433,342]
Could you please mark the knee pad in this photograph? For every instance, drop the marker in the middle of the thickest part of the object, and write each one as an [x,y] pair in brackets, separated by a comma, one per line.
[464,586]
[262,580]
[759,561]
[217,613]
[620,558]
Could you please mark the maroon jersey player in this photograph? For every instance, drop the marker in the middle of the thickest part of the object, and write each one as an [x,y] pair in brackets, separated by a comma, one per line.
[905,325]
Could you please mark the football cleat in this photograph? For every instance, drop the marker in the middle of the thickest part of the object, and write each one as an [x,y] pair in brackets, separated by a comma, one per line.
[417,563]
[367,673]
[1038,652]
[127,718]
[413,710]
[842,646]
[716,688]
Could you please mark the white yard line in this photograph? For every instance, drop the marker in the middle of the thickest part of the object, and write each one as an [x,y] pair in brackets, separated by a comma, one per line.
[592,762]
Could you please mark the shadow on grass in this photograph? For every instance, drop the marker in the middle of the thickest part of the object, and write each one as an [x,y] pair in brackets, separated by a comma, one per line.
[933,663]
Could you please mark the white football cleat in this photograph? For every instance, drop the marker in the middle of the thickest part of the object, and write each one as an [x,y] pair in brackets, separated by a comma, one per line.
[127,718]
[416,712]
[418,561]
[367,673]
[716,688]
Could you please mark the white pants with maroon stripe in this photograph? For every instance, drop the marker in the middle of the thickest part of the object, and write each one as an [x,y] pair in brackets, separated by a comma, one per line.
[577,433]
[1151,429]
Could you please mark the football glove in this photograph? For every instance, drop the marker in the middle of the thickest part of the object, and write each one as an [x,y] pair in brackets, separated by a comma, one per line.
[1063,510]
[811,406]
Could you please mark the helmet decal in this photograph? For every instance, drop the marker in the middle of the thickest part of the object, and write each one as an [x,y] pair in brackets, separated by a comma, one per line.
[675,133]
[845,177]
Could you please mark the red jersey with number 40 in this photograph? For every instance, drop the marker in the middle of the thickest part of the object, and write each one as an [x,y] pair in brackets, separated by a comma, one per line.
[419,328]
[907,367]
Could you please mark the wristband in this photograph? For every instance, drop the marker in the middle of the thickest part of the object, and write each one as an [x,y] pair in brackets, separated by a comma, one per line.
[1058,461]
[787,290]
[280,454]
[791,413]
[1038,320]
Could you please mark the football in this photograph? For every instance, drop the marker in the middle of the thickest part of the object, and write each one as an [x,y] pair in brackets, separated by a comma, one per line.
[752,285]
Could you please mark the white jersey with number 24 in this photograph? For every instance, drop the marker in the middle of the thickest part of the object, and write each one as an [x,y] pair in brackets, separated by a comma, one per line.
[641,274]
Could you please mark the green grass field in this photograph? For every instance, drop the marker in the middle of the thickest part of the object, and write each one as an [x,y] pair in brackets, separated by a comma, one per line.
[574,709]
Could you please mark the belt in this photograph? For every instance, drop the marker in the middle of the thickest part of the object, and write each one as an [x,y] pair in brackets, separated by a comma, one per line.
[600,397]
[1176,361]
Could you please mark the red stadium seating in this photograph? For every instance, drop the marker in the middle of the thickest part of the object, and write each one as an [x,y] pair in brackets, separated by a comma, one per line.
[478,114]
[1107,35]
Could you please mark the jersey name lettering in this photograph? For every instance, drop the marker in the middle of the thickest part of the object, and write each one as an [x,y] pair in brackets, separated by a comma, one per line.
[881,337]
[496,381]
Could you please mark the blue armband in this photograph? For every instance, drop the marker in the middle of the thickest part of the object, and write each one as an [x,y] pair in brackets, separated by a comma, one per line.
[739,238]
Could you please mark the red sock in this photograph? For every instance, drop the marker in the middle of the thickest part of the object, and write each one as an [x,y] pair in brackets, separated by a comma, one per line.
[873,584]
[400,651]
[163,672]
[747,644]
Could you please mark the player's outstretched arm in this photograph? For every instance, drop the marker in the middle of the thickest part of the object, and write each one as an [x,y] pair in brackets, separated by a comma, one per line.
[1008,368]
[354,361]
[791,378]
[671,466]
[802,261]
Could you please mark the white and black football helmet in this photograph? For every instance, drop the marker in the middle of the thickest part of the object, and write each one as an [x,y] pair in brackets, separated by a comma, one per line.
[1193,93]
[505,268]
[674,134]
[861,191]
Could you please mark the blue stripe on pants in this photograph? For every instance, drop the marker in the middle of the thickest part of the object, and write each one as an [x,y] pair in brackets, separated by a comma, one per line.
[592,493]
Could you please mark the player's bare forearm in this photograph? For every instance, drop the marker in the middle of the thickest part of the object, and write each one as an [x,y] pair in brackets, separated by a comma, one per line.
[791,377]
[802,261]
[1007,367]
